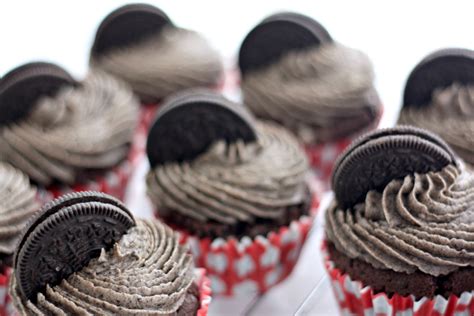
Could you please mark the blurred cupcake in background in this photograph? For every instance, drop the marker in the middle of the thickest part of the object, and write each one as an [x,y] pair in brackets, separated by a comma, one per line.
[439,96]
[295,74]
[18,203]
[68,135]
[399,233]
[139,44]
[236,189]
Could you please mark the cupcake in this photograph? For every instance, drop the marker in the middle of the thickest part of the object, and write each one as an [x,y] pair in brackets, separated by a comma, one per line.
[18,202]
[439,96]
[294,73]
[64,134]
[85,254]
[400,231]
[235,188]
[139,44]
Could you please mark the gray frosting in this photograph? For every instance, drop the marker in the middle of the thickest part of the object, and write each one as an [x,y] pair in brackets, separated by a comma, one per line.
[321,94]
[17,204]
[424,222]
[86,127]
[171,61]
[450,115]
[146,273]
[235,183]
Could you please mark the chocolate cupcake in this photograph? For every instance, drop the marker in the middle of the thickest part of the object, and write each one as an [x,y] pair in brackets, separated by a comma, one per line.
[18,202]
[139,44]
[295,74]
[85,254]
[233,186]
[64,134]
[399,233]
[439,96]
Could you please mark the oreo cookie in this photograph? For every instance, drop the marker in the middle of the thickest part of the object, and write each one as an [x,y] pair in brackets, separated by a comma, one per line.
[190,122]
[64,236]
[128,25]
[438,70]
[22,87]
[382,156]
[277,35]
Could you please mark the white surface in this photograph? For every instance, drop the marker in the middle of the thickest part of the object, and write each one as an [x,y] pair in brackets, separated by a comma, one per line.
[396,35]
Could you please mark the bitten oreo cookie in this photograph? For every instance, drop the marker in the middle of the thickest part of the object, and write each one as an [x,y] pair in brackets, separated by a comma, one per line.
[382,156]
[190,122]
[128,25]
[64,236]
[438,70]
[279,34]
[22,87]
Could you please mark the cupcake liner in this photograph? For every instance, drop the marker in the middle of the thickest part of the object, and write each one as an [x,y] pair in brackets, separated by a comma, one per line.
[113,182]
[323,156]
[204,285]
[355,299]
[6,306]
[250,264]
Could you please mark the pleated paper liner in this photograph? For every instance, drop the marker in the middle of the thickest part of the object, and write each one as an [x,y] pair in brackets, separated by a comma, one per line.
[355,299]
[323,156]
[251,264]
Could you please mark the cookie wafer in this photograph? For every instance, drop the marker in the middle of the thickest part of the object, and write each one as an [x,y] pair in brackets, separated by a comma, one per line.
[64,236]
[277,35]
[128,25]
[188,123]
[438,70]
[24,85]
[379,157]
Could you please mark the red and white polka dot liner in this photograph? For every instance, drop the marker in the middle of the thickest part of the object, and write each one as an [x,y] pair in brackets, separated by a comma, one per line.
[358,300]
[251,264]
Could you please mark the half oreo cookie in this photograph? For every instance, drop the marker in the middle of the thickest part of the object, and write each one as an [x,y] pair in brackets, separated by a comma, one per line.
[440,69]
[128,25]
[23,86]
[382,156]
[64,236]
[277,35]
[190,122]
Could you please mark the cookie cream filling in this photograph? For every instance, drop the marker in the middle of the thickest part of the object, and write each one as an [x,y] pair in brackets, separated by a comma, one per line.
[146,273]
[422,222]
[450,115]
[171,61]
[88,127]
[320,94]
[235,183]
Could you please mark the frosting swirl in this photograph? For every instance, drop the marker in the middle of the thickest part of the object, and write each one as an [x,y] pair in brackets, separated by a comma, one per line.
[17,204]
[320,94]
[450,115]
[235,183]
[423,222]
[171,61]
[89,127]
[146,273]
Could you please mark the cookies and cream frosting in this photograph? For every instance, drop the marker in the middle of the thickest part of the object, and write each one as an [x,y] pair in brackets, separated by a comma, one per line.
[450,115]
[86,127]
[146,273]
[233,183]
[321,94]
[17,204]
[166,63]
[424,222]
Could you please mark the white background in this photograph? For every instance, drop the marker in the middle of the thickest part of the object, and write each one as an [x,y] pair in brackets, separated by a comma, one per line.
[395,34]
